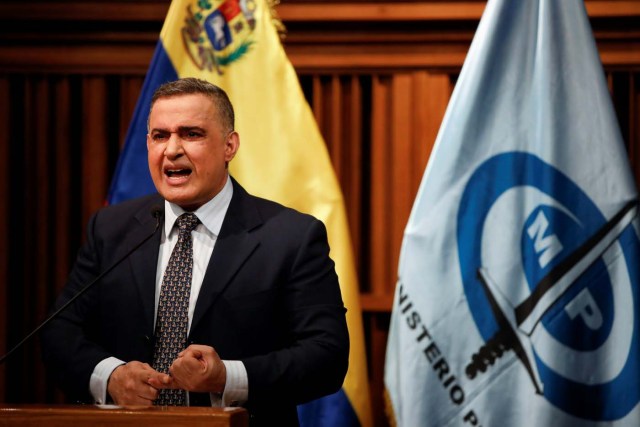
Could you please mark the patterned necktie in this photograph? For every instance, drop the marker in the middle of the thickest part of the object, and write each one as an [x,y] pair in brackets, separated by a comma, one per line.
[173,307]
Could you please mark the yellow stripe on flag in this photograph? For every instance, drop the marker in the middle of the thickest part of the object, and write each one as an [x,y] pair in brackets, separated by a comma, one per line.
[282,154]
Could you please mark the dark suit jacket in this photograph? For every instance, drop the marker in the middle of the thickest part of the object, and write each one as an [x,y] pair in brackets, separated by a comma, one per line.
[270,298]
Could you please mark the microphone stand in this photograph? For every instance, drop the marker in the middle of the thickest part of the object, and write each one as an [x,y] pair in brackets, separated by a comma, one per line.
[157,214]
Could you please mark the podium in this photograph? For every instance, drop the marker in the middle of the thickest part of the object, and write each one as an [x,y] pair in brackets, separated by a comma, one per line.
[111,415]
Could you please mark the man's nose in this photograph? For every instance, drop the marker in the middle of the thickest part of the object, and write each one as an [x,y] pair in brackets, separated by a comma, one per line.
[174,146]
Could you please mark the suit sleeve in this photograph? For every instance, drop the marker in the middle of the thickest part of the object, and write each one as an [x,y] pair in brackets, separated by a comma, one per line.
[315,361]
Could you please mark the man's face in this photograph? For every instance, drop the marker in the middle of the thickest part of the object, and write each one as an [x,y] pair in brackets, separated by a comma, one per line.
[188,149]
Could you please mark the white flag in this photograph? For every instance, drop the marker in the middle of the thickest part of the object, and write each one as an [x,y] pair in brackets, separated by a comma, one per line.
[518,286]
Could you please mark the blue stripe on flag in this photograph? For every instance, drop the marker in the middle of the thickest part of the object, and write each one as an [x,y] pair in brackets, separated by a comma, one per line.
[132,178]
[334,410]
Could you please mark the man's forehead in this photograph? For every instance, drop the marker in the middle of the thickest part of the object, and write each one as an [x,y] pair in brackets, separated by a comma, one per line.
[193,99]
[175,108]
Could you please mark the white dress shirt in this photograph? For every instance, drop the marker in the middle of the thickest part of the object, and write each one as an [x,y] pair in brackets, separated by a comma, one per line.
[211,216]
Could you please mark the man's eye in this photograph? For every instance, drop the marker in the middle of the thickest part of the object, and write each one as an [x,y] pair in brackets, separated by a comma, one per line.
[192,134]
[158,137]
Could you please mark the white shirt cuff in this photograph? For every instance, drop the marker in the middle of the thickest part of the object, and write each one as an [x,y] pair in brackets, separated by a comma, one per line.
[236,389]
[100,378]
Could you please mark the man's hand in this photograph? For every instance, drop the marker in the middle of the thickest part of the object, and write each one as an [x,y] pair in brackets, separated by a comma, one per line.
[129,384]
[198,368]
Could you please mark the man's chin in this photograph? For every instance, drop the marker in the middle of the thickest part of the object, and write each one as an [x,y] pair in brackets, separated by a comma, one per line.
[185,201]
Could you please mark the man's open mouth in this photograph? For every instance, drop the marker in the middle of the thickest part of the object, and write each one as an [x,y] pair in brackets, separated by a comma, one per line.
[177,172]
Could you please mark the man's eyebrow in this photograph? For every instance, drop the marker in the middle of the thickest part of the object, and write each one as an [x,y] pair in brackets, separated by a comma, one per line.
[180,129]
[189,128]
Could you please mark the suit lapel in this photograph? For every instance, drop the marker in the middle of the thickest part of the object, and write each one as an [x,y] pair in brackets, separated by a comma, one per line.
[144,261]
[234,245]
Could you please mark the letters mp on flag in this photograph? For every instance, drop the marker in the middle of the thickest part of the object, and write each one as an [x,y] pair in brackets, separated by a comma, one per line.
[235,45]
[518,285]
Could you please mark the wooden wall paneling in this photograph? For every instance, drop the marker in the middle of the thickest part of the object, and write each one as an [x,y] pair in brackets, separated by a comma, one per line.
[64,226]
[95,173]
[33,260]
[632,133]
[40,261]
[380,208]
[4,221]
[317,100]
[623,88]
[376,324]
[352,187]
[615,53]
[380,11]
[377,331]
[92,11]
[432,91]
[26,239]
[401,167]
[65,58]
[15,238]
[379,271]
[415,104]
[350,130]
[130,89]
[634,125]
[422,130]
[335,118]
[62,204]
[30,186]
[336,105]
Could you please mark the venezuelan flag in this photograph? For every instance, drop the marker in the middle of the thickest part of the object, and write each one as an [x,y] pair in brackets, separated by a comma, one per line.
[235,45]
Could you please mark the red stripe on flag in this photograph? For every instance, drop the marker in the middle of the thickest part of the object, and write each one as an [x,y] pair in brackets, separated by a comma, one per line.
[229,9]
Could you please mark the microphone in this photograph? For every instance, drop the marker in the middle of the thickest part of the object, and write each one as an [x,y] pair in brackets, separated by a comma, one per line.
[157,212]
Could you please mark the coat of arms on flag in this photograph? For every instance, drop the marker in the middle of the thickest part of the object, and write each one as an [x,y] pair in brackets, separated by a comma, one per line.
[217,33]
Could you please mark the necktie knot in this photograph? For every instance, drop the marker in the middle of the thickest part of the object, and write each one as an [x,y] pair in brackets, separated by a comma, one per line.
[187,222]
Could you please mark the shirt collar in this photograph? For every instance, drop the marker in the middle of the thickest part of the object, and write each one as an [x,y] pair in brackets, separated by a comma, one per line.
[211,214]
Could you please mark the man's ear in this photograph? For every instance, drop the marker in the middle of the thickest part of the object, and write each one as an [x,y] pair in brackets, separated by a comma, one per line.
[232,144]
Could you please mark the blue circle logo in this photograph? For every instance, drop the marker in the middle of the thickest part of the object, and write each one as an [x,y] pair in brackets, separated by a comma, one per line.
[519,220]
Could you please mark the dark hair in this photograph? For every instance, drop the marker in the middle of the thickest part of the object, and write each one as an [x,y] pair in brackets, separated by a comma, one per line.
[190,85]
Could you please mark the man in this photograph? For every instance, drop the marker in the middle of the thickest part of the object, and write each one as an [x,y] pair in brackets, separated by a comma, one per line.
[262,318]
